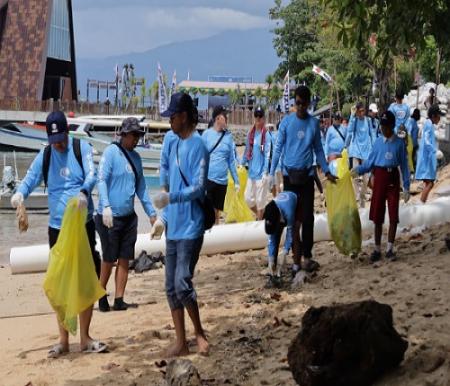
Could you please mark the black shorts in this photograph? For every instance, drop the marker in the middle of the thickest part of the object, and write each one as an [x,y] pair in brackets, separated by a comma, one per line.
[216,193]
[53,234]
[120,240]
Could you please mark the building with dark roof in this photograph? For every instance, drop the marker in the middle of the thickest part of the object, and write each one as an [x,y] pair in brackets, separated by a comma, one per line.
[37,50]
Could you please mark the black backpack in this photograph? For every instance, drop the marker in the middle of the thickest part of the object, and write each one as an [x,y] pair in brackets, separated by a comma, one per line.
[48,153]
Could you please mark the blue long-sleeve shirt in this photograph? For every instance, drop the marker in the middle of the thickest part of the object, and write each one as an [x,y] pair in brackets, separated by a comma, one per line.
[375,128]
[413,131]
[168,141]
[299,139]
[426,167]
[359,138]
[65,179]
[402,112]
[185,218]
[259,164]
[388,153]
[117,184]
[222,158]
[287,203]
[335,142]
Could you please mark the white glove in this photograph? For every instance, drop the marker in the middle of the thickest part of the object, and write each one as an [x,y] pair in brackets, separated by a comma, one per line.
[161,200]
[157,229]
[439,154]
[237,189]
[108,220]
[354,173]
[16,199]
[406,196]
[82,201]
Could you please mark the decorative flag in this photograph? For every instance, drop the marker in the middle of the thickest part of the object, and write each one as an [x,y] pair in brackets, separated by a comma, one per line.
[116,73]
[286,93]
[189,75]
[317,70]
[162,92]
[173,87]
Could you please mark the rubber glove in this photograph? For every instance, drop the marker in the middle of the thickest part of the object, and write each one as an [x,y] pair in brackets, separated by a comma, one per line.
[237,189]
[157,229]
[108,220]
[82,201]
[161,200]
[16,199]
[268,180]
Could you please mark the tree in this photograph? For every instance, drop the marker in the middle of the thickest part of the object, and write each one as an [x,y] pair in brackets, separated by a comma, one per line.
[269,80]
[258,93]
[274,95]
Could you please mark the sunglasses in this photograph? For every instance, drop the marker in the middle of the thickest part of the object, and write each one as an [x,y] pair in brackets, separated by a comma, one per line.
[301,103]
[259,116]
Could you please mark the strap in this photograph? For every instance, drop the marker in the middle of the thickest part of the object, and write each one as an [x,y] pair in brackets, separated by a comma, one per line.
[218,142]
[77,151]
[339,132]
[179,167]
[136,176]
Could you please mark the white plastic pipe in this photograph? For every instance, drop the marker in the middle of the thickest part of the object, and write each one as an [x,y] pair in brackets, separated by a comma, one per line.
[244,236]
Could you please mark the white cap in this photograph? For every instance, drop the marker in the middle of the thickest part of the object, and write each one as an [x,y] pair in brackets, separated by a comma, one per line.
[373,107]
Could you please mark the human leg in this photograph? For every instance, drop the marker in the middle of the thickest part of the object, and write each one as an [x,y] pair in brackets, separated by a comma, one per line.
[426,190]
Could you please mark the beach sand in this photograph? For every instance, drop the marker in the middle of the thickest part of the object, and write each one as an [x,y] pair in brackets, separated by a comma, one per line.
[248,344]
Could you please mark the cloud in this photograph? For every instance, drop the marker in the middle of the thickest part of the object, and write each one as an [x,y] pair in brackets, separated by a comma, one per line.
[118,29]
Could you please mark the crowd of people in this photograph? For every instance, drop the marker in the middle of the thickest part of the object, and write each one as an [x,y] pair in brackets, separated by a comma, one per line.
[194,169]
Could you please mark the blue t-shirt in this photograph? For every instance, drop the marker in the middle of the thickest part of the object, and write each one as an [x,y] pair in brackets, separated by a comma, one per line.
[222,158]
[335,140]
[426,158]
[401,112]
[117,183]
[65,179]
[258,165]
[185,218]
[359,138]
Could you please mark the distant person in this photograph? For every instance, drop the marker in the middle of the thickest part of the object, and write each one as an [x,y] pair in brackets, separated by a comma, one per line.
[335,139]
[388,154]
[374,121]
[256,156]
[426,159]
[221,148]
[345,122]
[400,110]
[188,170]
[299,139]
[120,179]
[431,99]
[67,166]
[413,132]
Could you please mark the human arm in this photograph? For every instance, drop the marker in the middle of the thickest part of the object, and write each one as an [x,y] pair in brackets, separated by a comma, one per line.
[142,193]
[368,164]
[404,166]
[104,173]
[279,146]
[33,177]
[267,147]
[232,163]
[350,131]
[164,163]
[90,178]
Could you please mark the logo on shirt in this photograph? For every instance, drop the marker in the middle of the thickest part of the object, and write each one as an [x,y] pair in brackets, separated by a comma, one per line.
[401,114]
[282,197]
[128,169]
[301,134]
[64,172]
[389,155]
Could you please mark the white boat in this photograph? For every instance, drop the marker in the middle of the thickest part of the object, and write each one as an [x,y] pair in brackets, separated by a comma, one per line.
[21,137]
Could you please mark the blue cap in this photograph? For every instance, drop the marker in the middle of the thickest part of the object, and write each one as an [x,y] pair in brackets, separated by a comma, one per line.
[57,127]
[179,102]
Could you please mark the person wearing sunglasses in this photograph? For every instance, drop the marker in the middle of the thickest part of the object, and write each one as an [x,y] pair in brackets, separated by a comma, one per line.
[300,140]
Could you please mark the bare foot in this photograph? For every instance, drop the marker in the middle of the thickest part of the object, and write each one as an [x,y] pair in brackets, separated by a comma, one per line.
[177,350]
[203,345]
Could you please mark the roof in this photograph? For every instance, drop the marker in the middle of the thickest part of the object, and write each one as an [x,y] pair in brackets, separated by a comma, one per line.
[221,85]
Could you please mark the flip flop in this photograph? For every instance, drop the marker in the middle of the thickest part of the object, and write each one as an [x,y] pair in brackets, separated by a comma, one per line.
[95,346]
[56,351]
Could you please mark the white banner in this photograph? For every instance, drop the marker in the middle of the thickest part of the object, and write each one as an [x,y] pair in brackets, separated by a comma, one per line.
[317,70]
[286,93]
[162,92]
[173,87]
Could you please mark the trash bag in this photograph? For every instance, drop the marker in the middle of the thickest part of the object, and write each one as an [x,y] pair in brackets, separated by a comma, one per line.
[235,207]
[409,150]
[343,216]
[71,284]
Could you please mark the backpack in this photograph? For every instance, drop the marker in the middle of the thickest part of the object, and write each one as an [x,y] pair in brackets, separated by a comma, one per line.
[48,153]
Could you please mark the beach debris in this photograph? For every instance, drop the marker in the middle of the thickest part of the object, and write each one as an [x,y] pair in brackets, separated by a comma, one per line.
[22,218]
[346,345]
[161,364]
[110,366]
[181,372]
[146,262]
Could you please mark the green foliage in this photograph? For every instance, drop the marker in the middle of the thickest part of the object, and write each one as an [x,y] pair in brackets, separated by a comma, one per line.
[427,59]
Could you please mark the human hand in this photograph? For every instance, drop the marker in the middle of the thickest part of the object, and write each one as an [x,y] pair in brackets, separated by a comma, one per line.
[82,201]
[333,179]
[157,229]
[354,172]
[152,220]
[16,199]
[108,220]
[161,200]
[268,180]
[353,110]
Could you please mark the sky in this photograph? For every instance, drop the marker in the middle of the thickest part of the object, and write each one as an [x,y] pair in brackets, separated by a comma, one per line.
[113,27]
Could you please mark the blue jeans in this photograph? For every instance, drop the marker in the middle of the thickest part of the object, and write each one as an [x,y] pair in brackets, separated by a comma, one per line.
[181,259]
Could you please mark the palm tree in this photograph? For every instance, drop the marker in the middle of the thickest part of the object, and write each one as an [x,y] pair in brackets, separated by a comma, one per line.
[269,81]
[258,93]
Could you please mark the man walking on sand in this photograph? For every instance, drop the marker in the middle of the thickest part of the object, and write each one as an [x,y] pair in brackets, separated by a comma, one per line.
[67,167]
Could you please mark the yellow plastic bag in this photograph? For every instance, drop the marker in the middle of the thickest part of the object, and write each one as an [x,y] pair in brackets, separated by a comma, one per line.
[343,216]
[409,149]
[235,207]
[71,284]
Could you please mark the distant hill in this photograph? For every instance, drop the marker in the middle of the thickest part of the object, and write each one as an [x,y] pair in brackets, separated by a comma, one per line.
[238,53]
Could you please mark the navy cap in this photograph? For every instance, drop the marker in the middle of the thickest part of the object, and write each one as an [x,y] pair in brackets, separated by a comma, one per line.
[271,217]
[57,127]
[130,125]
[259,111]
[179,102]
[435,110]
[388,119]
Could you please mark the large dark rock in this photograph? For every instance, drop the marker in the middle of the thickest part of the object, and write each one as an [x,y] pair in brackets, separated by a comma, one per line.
[345,345]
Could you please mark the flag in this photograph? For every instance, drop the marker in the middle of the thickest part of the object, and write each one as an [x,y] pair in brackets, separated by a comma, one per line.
[189,75]
[286,93]
[116,74]
[173,87]
[162,92]
[317,70]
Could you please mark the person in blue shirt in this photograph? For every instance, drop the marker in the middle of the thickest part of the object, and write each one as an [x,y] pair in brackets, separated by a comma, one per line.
[299,139]
[256,156]
[67,178]
[188,171]
[120,179]
[220,144]
[426,159]
[400,110]
[413,132]
[374,121]
[335,139]
[278,214]
[388,154]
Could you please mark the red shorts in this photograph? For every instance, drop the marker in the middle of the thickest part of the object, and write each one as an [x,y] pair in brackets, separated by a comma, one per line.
[386,188]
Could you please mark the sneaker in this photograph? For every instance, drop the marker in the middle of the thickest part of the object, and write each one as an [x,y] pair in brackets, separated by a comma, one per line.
[120,305]
[390,255]
[375,256]
[270,283]
[277,282]
[103,304]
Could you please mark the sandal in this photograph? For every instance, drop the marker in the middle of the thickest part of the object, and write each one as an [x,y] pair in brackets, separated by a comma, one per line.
[56,351]
[95,346]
